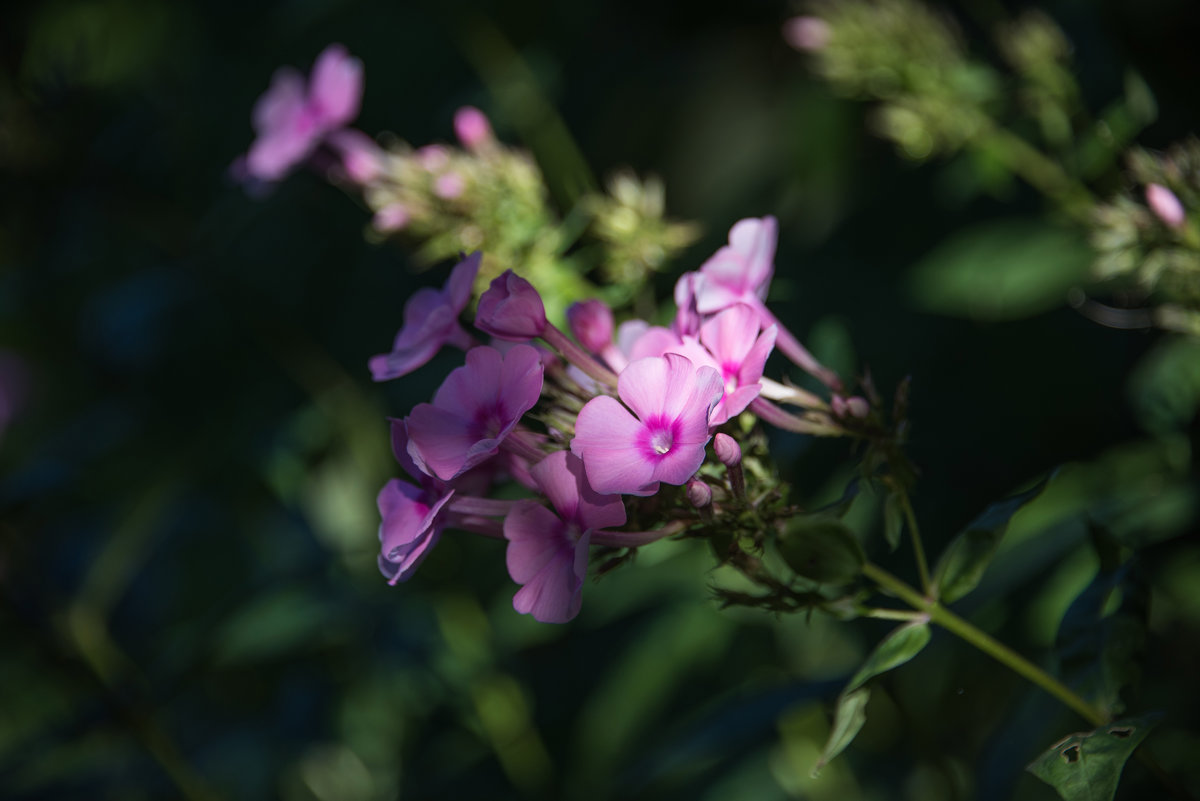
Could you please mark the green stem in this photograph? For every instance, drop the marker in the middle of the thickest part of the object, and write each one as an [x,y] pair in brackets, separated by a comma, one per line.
[994,648]
[914,534]
[1041,172]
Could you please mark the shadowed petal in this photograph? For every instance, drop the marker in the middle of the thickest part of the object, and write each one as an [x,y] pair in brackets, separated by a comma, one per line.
[607,440]
[335,90]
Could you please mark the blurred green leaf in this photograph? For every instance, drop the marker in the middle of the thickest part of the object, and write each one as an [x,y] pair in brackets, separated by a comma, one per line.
[1004,270]
[966,557]
[1087,766]
[275,624]
[848,721]
[1165,387]
[822,549]
[893,520]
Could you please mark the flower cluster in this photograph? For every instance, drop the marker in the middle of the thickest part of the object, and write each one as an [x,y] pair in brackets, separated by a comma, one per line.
[593,423]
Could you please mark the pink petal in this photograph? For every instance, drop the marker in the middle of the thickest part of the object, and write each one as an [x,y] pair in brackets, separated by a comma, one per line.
[536,537]
[730,335]
[273,155]
[654,341]
[282,103]
[409,528]
[607,439]
[462,281]
[734,403]
[657,386]
[520,383]
[442,444]
[692,421]
[756,358]
[473,386]
[335,90]
[740,270]
[562,478]
[542,557]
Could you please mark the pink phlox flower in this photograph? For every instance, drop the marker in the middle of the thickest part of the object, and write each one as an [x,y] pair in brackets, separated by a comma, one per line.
[1165,205]
[430,321]
[662,439]
[730,343]
[474,410]
[472,128]
[511,309]
[291,119]
[739,272]
[548,553]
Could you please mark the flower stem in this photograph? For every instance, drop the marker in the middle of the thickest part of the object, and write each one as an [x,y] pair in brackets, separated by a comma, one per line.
[994,648]
[578,356]
[914,534]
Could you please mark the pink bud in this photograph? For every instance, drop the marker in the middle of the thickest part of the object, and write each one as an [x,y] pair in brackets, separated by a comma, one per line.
[511,309]
[727,450]
[472,128]
[449,186]
[393,217]
[1165,205]
[591,322]
[699,494]
[433,158]
[362,159]
[807,33]
[858,406]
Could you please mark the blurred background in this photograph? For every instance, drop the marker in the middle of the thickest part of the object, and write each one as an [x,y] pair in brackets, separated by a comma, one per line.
[190,442]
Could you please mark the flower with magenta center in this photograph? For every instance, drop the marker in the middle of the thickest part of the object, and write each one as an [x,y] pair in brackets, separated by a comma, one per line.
[430,321]
[548,553]
[662,439]
[476,407]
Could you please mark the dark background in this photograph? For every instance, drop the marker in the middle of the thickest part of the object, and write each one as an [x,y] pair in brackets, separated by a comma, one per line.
[188,534]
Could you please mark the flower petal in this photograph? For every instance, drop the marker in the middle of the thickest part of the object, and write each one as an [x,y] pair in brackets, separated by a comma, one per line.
[335,89]
[607,440]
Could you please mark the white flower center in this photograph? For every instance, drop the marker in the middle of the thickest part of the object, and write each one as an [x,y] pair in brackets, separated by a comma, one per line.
[661,441]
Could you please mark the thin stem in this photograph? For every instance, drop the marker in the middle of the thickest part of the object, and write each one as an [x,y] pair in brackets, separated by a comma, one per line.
[791,347]
[914,534]
[1041,172]
[994,648]
[578,356]
[480,507]
[894,614]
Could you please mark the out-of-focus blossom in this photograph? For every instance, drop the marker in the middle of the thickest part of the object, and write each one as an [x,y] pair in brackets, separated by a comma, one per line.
[591,322]
[548,553]
[449,185]
[430,321]
[739,272]
[854,406]
[433,158]
[472,128]
[362,158]
[392,217]
[511,309]
[1165,205]
[731,344]
[475,408]
[662,439]
[807,33]
[292,118]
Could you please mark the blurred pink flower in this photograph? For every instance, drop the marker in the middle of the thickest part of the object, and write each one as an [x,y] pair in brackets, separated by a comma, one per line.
[472,128]
[1165,205]
[807,33]
[291,119]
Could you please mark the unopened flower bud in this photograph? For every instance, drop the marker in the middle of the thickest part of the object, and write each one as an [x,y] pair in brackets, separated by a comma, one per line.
[858,406]
[807,33]
[699,494]
[392,217]
[727,450]
[511,309]
[472,128]
[591,322]
[449,186]
[433,158]
[362,159]
[1165,205]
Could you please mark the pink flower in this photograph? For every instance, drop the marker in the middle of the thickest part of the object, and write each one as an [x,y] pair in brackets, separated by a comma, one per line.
[591,322]
[430,321]
[362,159]
[413,520]
[1165,205]
[548,553]
[739,272]
[730,343]
[292,119]
[474,410]
[664,437]
[511,309]
[392,217]
[472,128]
[449,186]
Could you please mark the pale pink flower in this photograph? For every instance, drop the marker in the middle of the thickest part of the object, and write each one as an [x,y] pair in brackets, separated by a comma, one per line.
[739,272]
[392,217]
[430,321]
[449,186]
[662,439]
[548,553]
[1165,205]
[292,118]
[807,33]
[475,408]
[731,344]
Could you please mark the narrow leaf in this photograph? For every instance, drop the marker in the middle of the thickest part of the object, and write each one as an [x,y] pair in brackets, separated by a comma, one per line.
[968,554]
[848,720]
[1087,766]
[893,651]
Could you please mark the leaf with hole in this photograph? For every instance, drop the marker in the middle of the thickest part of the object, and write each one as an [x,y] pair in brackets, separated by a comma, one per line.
[1086,766]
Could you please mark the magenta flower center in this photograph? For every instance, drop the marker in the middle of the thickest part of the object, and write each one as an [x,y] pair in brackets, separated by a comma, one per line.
[659,437]
[489,422]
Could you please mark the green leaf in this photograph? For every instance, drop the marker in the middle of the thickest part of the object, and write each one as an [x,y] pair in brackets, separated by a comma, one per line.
[1165,385]
[1003,270]
[1087,766]
[848,720]
[893,651]
[822,549]
[966,557]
